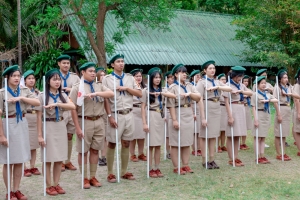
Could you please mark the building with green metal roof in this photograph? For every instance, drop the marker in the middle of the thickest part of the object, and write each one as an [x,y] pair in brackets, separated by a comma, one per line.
[194,38]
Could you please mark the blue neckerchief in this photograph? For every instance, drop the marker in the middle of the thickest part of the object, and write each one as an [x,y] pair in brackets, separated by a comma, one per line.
[18,106]
[248,101]
[264,94]
[159,97]
[65,79]
[92,88]
[121,80]
[193,83]
[238,87]
[32,90]
[184,88]
[286,91]
[213,83]
[167,85]
[55,101]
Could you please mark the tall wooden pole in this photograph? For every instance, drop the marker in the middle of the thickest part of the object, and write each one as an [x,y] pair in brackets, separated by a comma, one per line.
[19,35]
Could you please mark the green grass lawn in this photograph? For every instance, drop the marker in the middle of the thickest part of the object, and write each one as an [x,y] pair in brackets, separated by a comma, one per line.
[278,180]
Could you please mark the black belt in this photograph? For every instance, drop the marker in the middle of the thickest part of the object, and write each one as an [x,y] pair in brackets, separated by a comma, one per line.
[156,110]
[14,116]
[124,112]
[31,111]
[285,104]
[184,106]
[54,119]
[94,118]
[222,104]
[213,99]
[137,105]
[237,102]
[260,109]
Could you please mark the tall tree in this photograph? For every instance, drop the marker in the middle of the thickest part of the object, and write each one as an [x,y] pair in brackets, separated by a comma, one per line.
[92,14]
[271,31]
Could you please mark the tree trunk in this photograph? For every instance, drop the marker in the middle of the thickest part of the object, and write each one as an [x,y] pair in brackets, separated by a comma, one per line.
[19,34]
[100,34]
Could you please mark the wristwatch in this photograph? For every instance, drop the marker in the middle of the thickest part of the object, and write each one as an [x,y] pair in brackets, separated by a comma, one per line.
[109,115]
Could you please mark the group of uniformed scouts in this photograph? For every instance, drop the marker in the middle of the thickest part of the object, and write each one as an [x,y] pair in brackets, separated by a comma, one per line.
[221,107]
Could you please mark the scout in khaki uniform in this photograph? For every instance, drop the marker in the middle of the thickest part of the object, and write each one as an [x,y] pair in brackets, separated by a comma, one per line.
[19,145]
[223,121]
[247,103]
[138,133]
[188,94]
[236,116]
[68,80]
[156,116]
[170,81]
[296,113]
[126,88]
[214,90]
[284,116]
[56,147]
[100,73]
[32,121]
[195,75]
[262,122]
[93,121]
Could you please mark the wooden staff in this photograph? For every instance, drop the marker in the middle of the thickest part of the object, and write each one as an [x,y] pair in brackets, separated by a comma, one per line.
[179,106]
[280,127]
[206,133]
[44,132]
[256,113]
[231,128]
[195,122]
[117,134]
[165,149]
[148,121]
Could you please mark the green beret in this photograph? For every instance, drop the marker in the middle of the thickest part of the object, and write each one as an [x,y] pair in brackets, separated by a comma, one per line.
[63,57]
[100,69]
[112,60]
[194,72]
[154,69]
[10,69]
[220,76]
[259,72]
[136,70]
[259,78]
[238,69]
[281,71]
[168,73]
[176,67]
[208,63]
[87,65]
[246,77]
[51,72]
[297,74]
[27,73]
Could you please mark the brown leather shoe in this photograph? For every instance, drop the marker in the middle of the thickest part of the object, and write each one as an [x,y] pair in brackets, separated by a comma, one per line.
[223,148]
[239,162]
[86,184]
[51,191]
[142,157]
[59,189]
[152,173]
[27,173]
[181,171]
[63,168]
[159,174]
[70,166]
[94,182]
[187,169]
[111,178]
[12,196]
[199,153]
[214,165]
[230,162]
[219,149]
[133,158]
[20,196]
[128,176]
[35,171]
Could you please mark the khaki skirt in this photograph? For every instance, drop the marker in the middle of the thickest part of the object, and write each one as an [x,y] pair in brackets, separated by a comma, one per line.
[296,121]
[156,128]
[138,132]
[213,120]
[19,145]
[264,122]
[239,124]
[198,120]
[32,128]
[285,124]
[169,123]
[249,120]
[223,119]
[186,128]
[56,142]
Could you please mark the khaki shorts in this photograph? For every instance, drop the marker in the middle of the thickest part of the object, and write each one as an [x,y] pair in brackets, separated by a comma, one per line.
[69,122]
[94,132]
[125,128]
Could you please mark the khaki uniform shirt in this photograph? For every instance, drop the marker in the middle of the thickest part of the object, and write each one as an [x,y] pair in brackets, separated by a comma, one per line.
[234,97]
[92,107]
[282,98]
[25,92]
[260,97]
[73,79]
[201,87]
[154,105]
[174,89]
[123,101]
[268,85]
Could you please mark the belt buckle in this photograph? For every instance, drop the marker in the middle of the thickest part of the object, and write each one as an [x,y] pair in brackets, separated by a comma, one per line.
[158,110]
[94,118]
[125,112]
[239,102]
[215,100]
[33,111]
[185,105]
[288,104]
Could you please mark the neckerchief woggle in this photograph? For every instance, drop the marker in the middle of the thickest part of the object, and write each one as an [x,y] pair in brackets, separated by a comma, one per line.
[266,104]
[92,88]
[121,80]
[18,106]
[65,79]
[184,88]
[213,83]
[238,87]
[159,98]
[55,101]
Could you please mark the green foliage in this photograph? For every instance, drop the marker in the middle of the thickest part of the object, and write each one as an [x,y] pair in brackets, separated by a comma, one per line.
[188,4]
[109,70]
[223,6]
[271,31]
[41,62]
